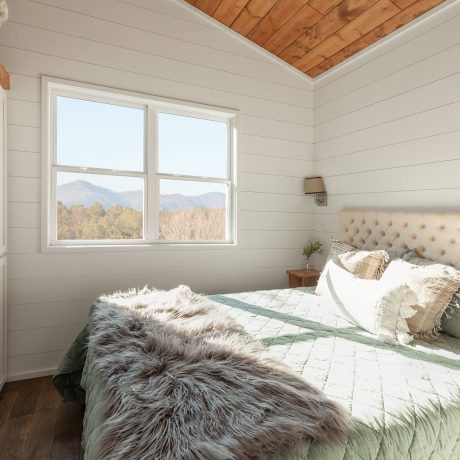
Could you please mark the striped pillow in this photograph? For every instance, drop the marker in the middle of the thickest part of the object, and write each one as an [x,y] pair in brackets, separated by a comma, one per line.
[450,321]
[367,265]
[434,285]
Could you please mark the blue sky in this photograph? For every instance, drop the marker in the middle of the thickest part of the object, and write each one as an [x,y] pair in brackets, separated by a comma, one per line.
[99,135]
[192,146]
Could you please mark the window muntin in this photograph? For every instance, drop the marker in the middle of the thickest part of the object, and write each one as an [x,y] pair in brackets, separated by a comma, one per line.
[149,156]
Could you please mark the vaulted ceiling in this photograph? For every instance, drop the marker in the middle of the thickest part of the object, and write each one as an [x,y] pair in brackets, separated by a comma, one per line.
[314,35]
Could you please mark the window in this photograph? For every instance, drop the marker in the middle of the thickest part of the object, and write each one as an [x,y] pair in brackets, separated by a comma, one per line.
[125,169]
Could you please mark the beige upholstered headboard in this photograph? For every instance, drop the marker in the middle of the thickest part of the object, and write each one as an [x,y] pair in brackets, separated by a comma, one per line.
[434,235]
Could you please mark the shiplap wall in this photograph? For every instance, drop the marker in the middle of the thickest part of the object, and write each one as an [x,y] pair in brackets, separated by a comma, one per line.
[387,134]
[387,126]
[158,48]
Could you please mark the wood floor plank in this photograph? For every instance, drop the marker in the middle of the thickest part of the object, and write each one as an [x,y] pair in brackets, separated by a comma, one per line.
[19,385]
[7,401]
[14,436]
[47,383]
[26,401]
[13,387]
[67,433]
[40,439]
[35,423]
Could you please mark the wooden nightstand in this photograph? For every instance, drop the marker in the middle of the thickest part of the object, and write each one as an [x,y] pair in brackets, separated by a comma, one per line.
[302,278]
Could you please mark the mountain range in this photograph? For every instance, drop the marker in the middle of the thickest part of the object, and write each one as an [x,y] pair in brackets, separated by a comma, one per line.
[85,193]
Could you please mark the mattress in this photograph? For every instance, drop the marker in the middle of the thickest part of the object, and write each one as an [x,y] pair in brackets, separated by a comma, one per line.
[404,399]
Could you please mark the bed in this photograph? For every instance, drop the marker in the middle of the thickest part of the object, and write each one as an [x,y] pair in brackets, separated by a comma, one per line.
[404,400]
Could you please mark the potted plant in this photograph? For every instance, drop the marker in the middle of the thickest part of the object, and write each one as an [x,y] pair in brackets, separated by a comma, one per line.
[314,247]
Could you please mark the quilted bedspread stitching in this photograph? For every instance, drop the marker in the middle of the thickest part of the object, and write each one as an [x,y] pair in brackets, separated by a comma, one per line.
[403,399]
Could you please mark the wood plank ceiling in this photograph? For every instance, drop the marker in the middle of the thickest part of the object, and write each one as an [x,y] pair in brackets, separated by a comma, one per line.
[314,35]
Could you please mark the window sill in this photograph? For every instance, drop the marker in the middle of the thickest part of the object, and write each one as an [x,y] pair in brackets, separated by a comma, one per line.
[90,248]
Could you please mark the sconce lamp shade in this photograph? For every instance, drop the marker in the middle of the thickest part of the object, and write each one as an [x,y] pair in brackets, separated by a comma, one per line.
[314,185]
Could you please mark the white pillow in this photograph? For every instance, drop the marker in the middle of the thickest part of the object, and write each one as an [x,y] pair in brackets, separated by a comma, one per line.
[379,307]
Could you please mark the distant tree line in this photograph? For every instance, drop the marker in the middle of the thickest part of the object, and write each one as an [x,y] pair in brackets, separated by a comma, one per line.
[78,222]
[193,224]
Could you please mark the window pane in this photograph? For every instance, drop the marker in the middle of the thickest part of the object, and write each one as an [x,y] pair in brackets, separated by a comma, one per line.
[98,135]
[192,211]
[99,207]
[192,146]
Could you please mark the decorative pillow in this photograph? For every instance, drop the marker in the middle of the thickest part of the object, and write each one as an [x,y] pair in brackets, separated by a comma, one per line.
[363,264]
[339,247]
[434,285]
[450,321]
[380,308]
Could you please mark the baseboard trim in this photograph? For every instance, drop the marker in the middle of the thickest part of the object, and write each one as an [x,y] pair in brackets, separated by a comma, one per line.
[31,375]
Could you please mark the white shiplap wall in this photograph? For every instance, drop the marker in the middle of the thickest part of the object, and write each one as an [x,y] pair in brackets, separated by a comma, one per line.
[387,124]
[159,48]
[386,131]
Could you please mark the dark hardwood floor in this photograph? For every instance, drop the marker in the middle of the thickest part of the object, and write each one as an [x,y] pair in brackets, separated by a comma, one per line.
[36,423]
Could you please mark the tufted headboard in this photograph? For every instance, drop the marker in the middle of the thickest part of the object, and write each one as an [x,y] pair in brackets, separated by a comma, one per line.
[434,235]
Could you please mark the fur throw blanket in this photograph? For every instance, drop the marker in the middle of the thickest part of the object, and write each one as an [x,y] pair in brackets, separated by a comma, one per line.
[183,381]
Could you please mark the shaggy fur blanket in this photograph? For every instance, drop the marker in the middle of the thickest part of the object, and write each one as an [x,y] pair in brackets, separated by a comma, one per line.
[183,381]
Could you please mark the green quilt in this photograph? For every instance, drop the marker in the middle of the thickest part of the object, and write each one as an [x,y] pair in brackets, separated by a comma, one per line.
[404,399]
[69,374]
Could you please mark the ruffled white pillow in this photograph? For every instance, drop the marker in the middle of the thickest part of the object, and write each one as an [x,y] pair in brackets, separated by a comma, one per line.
[379,307]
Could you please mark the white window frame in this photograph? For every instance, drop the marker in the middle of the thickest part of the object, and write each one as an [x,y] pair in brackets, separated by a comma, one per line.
[53,87]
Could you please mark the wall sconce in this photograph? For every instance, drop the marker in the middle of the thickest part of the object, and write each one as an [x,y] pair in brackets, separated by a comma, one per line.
[315,186]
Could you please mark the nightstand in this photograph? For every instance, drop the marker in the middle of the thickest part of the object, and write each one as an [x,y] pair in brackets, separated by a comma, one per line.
[303,278]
